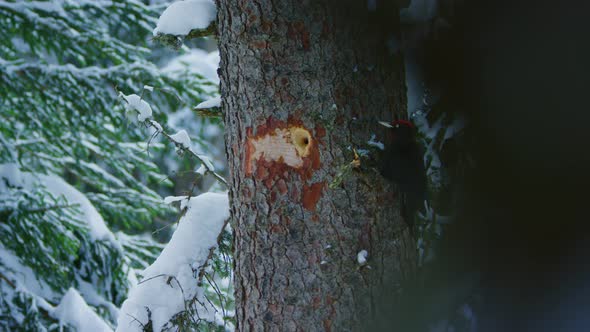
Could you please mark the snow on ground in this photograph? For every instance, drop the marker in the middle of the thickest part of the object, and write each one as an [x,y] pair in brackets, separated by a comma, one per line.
[183,16]
[171,279]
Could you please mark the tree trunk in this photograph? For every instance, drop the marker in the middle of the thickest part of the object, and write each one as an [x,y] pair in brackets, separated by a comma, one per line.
[303,84]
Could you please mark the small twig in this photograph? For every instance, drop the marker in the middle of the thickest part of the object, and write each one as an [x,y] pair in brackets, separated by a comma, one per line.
[2,276]
[183,211]
[181,291]
[210,303]
[159,130]
[218,292]
[137,320]
[161,229]
[152,123]
[151,278]
[171,92]
[175,42]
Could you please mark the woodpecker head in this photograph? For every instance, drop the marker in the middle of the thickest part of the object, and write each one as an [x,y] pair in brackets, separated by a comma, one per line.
[403,132]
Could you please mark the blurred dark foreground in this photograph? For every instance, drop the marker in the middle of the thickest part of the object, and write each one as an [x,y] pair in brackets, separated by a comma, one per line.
[519,72]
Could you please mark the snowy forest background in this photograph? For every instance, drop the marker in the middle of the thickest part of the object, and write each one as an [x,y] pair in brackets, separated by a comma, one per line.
[94,118]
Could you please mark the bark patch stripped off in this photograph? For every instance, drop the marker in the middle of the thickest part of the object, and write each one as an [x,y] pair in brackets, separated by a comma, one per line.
[281,148]
[278,144]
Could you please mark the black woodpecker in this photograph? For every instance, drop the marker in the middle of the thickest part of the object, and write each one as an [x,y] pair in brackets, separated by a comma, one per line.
[403,164]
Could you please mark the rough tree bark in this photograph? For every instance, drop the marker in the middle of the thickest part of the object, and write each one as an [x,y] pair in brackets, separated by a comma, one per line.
[302,84]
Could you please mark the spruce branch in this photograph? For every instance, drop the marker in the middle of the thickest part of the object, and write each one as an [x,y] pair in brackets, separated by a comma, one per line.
[208,169]
[175,41]
[212,112]
[211,253]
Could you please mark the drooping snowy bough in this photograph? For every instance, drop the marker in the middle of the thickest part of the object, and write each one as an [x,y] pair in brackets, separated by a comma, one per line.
[170,286]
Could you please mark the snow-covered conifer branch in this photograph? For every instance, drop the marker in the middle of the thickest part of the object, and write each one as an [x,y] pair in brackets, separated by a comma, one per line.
[181,139]
[186,253]
[185,20]
[187,149]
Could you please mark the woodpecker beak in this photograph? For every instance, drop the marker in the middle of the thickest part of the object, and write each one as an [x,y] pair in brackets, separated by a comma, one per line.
[386,124]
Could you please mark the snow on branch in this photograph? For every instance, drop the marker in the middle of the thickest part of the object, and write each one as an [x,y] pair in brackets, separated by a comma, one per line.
[170,286]
[181,139]
[56,186]
[188,18]
[210,103]
[88,72]
[135,103]
[182,145]
[73,311]
[209,108]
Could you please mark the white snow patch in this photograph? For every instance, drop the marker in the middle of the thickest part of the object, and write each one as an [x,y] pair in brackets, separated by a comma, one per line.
[196,62]
[135,103]
[207,162]
[74,311]
[24,276]
[183,16]
[184,200]
[56,186]
[98,230]
[92,297]
[171,279]
[182,138]
[377,144]
[157,126]
[12,176]
[202,169]
[172,199]
[148,87]
[361,257]
[213,102]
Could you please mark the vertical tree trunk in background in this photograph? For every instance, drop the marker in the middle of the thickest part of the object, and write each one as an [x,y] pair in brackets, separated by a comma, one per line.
[302,83]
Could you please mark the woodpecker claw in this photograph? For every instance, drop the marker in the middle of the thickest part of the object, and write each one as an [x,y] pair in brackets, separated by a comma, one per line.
[356,162]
